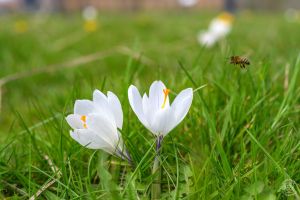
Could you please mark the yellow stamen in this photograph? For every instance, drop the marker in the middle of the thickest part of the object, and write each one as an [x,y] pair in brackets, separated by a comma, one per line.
[83,118]
[166,92]
[226,17]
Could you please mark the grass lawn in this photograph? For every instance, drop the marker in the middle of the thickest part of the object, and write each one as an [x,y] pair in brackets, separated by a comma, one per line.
[240,139]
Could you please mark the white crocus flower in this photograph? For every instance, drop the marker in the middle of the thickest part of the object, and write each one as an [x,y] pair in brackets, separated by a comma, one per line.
[207,39]
[187,3]
[95,123]
[219,28]
[155,111]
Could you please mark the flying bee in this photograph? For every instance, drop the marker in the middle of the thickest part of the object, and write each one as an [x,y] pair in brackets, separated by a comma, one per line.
[238,60]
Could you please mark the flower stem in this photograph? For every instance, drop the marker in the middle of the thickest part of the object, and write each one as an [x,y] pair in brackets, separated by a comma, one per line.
[129,158]
[156,171]
[125,156]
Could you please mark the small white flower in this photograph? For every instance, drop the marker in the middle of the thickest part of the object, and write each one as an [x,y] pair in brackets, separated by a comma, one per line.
[219,28]
[155,111]
[95,123]
[187,3]
[89,13]
[207,39]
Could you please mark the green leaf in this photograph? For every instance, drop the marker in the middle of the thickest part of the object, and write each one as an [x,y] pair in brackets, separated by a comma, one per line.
[267,196]
[131,190]
[255,188]
[246,197]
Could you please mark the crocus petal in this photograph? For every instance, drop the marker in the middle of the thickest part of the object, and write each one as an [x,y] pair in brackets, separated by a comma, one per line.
[135,101]
[219,28]
[74,121]
[116,108]
[207,39]
[145,104]
[91,140]
[148,110]
[104,128]
[156,95]
[83,107]
[102,106]
[182,104]
[163,122]
[98,96]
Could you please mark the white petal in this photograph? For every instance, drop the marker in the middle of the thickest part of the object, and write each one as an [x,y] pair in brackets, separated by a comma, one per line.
[219,28]
[207,39]
[116,108]
[148,110]
[102,106]
[163,122]
[182,104]
[156,95]
[145,103]
[135,101]
[91,140]
[74,121]
[99,97]
[83,107]
[104,128]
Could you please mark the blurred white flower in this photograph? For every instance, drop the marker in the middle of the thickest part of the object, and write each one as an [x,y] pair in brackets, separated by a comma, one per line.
[292,15]
[155,111]
[89,13]
[6,1]
[187,3]
[95,123]
[207,39]
[219,28]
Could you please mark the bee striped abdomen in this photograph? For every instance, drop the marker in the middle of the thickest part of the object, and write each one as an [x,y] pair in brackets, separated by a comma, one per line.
[241,61]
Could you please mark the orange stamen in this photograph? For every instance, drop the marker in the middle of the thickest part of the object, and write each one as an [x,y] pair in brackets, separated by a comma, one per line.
[83,118]
[166,92]
[226,17]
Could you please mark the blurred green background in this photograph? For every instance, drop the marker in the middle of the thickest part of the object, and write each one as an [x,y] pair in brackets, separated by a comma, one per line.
[240,139]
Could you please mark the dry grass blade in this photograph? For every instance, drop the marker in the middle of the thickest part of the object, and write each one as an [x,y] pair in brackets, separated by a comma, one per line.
[48,184]
[74,63]
[52,68]
[286,77]
[15,188]
[136,55]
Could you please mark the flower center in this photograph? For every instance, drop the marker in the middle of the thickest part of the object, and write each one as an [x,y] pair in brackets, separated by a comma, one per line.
[226,18]
[83,119]
[166,92]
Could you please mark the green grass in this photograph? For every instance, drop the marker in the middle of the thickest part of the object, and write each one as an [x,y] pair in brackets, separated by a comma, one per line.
[241,138]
